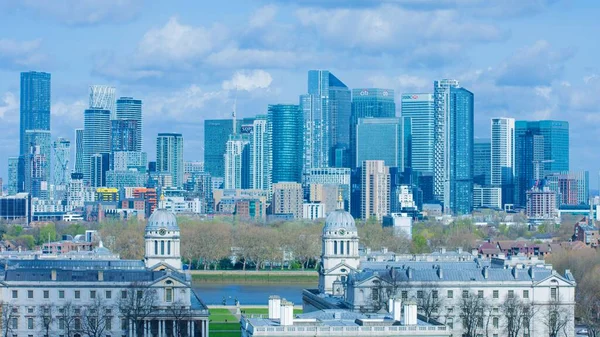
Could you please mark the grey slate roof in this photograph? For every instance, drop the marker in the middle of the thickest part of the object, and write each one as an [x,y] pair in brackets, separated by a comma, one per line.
[76,264]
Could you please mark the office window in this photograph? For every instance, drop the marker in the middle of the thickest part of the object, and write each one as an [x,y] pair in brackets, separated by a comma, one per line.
[123,324]
[525,293]
[108,323]
[15,323]
[108,294]
[511,294]
[108,312]
[553,294]
[140,294]
[46,294]
[77,323]
[375,294]
[465,294]
[92,293]
[61,323]
[419,293]
[496,294]
[449,310]
[123,293]
[61,294]
[15,310]
[404,294]
[29,293]
[450,294]
[30,323]
[495,322]
[77,294]
[15,294]
[169,295]
[434,294]
[479,293]
[30,310]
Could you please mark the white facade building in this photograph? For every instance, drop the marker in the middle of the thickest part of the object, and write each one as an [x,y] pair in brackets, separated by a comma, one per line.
[236,147]
[487,197]
[313,210]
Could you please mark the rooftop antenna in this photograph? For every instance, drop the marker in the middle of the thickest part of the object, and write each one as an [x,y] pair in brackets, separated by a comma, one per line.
[233,113]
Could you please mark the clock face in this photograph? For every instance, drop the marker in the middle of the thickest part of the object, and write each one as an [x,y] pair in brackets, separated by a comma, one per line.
[342,232]
[162,231]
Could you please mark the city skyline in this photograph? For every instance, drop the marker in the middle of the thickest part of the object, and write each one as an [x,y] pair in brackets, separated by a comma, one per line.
[515,67]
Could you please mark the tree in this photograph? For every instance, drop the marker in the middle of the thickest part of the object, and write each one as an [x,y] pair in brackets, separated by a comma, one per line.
[47,234]
[136,303]
[588,301]
[69,319]
[95,317]
[180,314]
[517,316]
[385,287]
[125,239]
[9,313]
[46,316]
[473,310]
[557,319]
[429,301]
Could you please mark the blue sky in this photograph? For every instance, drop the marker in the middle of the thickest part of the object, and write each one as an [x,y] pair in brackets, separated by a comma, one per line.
[527,59]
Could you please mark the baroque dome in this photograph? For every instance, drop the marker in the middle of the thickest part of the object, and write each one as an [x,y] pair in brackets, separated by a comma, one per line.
[162,218]
[339,219]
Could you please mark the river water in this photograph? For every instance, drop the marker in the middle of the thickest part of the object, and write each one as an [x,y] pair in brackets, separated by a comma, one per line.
[249,293]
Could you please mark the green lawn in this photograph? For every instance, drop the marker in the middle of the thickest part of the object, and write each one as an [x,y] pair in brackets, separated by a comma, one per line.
[225,333]
[224,326]
[222,315]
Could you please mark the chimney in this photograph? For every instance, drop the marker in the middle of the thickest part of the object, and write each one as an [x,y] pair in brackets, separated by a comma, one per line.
[409,272]
[440,272]
[397,308]
[443,250]
[390,304]
[486,272]
[460,250]
[286,313]
[53,274]
[384,250]
[531,273]
[410,313]
[274,307]
[100,275]
[515,272]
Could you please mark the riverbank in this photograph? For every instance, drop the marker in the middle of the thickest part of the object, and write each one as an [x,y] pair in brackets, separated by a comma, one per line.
[239,276]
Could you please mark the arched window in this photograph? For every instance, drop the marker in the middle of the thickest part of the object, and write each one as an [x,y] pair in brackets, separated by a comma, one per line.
[169,247]
[335,247]
[155,247]
[162,247]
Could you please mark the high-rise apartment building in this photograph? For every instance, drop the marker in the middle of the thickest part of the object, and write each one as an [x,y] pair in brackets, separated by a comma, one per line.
[124,135]
[260,154]
[326,110]
[541,148]
[285,126]
[441,97]
[287,199]
[96,137]
[37,163]
[103,97]
[35,105]
[216,135]
[503,157]
[375,189]
[130,109]
[373,102]
[237,162]
[458,156]
[482,162]
[13,175]
[79,151]
[61,151]
[379,139]
[169,156]
[419,107]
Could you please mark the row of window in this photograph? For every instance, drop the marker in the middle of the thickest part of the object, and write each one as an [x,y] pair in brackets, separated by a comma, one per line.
[466,294]
[76,294]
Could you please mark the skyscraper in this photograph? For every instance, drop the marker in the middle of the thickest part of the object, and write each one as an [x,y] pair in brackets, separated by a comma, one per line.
[372,102]
[103,97]
[482,162]
[441,103]
[169,156]
[37,163]
[61,151]
[285,127]
[503,157]
[216,135]
[13,175]
[458,164]
[326,110]
[375,190]
[124,135]
[542,148]
[79,151]
[130,109]
[379,139]
[420,109]
[237,162]
[35,105]
[260,155]
[96,137]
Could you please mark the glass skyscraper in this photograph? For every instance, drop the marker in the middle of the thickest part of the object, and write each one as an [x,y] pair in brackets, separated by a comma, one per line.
[285,126]
[103,97]
[482,165]
[124,135]
[458,165]
[130,109]
[372,102]
[169,156]
[13,175]
[96,138]
[542,148]
[79,151]
[420,109]
[37,163]
[379,139]
[35,105]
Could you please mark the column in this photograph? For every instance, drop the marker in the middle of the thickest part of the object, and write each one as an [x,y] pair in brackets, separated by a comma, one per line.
[173,325]
[193,328]
[189,328]
[145,328]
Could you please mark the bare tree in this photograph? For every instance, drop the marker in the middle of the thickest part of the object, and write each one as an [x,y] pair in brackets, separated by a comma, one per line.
[136,303]
[8,314]
[473,309]
[517,316]
[428,301]
[95,317]
[181,314]
[385,287]
[46,316]
[69,319]
[588,301]
[557,319]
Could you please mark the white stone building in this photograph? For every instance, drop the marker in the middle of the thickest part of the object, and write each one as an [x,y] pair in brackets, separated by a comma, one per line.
[72,297]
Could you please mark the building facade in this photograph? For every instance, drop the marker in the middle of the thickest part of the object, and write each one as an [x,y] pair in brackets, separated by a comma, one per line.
[487,197]
[96,137]
[130,109]
[36,163]
[103,97]
[503,156]
[482,162]
[420,108]
[285,124]
[379,139]
[287,199]
[442,105]
[13,175]
[61,151]
[169,156]
[375,189]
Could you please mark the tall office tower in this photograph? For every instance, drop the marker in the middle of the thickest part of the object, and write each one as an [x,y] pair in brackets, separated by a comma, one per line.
[583,185]
[571,188]
[378,103]
[103,97]
[99,166]
[61,150]
[458,164]
[379,139]
[482,162]
[216,135]
[35,105]
[237,162]
[406,146]
[13,175]
[130,109]
[375,190]
[542,148]
[441,103]
[124,135]
[503,157]
[76,191]
[420,109]
[79,150]
[169,156]
[260,155]
[285,127]
[37,163]
[326,110]
[287,199]
[96,137]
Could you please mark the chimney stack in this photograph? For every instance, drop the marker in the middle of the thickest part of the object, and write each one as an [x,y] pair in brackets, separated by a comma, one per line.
[410,313]
[397,308]
[100,275]
[515,272]
[440,272]
[274,307]
[286,313]
[409,272]
[53,274]
[486,272]
[532,273]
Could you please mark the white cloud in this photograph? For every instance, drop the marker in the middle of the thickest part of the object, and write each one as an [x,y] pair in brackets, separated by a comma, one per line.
[9,103]
[188,105]
[248,80]
[263,16]
[15,53]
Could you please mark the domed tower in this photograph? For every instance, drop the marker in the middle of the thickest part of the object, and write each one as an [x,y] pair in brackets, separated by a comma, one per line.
[339,255]
[162,240]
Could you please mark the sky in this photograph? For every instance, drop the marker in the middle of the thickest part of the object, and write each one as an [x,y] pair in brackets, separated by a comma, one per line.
[189,60]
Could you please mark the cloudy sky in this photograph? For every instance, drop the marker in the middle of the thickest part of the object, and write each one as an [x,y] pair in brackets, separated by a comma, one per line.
[528,59]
